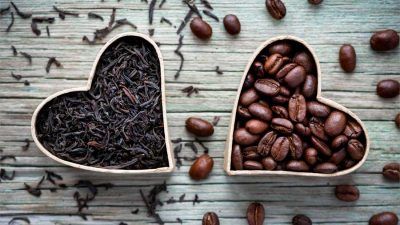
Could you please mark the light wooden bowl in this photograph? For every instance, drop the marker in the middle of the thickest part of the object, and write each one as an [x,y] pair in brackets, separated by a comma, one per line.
[86,88]
[228,145]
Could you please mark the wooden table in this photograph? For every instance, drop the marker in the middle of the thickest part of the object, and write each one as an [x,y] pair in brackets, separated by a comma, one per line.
[324,27]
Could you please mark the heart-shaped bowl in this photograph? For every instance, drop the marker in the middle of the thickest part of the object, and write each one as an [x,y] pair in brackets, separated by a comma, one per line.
[130,37]
[228,166]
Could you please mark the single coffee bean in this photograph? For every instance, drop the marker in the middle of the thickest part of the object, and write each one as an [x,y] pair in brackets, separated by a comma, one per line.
[297,108]
[347,58]
[301,220]
[266,142]
[348,163]
[384,218]
[321,146]
[243,137]
[282,125]
[309,89]
[388,88]
[317,128]
[353,129]
[280,148]
[249,80]
[338,156]
[210,218]
[199,127]
[335,123]
[232,24]
[384,40]
[243,112]
[258,69]
[200,28]
[267,87]
[283,48]
[318,109]
[269,163]
[276,8]
[315,2]
[306,60]
[391,171]
[355,149]
[250,153]
[237,158]
[295,146]
[347,193]
[274,63]
[284,91]
[260,111]
[295,77]
[249,96]
[285,70]
[302,130]
[326,168]
[339,142]
[397,120]
[252,165]
[280,111]
[256,126]
[201,167]
[311,156]
[280,99]
[297,165]
[255,214]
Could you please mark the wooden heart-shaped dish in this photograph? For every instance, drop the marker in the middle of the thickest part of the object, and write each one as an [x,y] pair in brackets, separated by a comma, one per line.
[282,125]
[117,123]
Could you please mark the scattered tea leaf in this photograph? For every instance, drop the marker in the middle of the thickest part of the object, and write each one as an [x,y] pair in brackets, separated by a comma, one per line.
[26,83]
[16,76]
[171,200]
[189,15]
[205,148]
[162,3]
[27,144]
[206,4]
[33,191]
[4,10]
[151,10]
[63,13]
[211,15]
[126,22]
[122,223]
[95,16]
[27,56]
[35,28]
[163,19]
[192,6]
[216,120]
[112,18]
[182,197]
[43,19]
[218,70]
[179,220]
[192,146]
[136,211]
[15,52]
[151,32]
[179,53]
[23,15]
[48,31]
[6,176]
[51,61]
[14,221]
[11,23]
[196,199]
[178,140]
[5,157]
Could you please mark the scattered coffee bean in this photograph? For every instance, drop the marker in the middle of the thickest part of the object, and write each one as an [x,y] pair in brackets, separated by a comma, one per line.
[232,24]
[200,28]
[210,218]
[347,58]
[384,218]
[347,193]
[391,171]
[388,88]
[315,2]
[397,120]
[384,40]
[199,127]
[255,214]
[276,8]
[201,167]
[301,220]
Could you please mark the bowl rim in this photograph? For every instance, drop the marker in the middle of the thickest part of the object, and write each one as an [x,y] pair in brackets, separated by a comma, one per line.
[170,155]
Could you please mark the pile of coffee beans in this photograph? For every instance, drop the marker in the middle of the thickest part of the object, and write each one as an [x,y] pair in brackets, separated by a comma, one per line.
[280,125]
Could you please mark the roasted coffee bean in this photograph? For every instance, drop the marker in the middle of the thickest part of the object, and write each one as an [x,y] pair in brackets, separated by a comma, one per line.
[384,218]
[295,77]
[267,87]
[295,146]
[276,8]
[243,112]
[210,218]
[243,137]
[285,70]
[353,129]
[280,111]
[252,165]
[199,127]
[326,168]
[256,126]
[388,88]
[280,99]
[297,108]
[315,2]
[284,91]
[201,167]
[321,146]
[283,48]
[200,28]
[384,40]
[338,156]
[347,58]
[306,60]
[348,163]
[249,81]
[282,125]
[260,111]
[301,220]
[318,109]
[249,96]
[258,69]
[280,148]
[237,158]
[297,165]
[274,63]
[302,130]
[269,163]
[347,193]
[339,142]
[232,24]
[397,120]
[391,171]
[255,214]
[317,128]
[355,149]
[250,153]
[335,123]
[266,142]
[309,89]
[311,156]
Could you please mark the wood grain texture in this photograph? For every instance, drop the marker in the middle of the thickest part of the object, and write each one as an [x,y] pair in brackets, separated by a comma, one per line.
[324,27]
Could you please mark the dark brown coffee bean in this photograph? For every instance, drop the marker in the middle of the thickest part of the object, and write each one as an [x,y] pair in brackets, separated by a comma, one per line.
[353,129]
[283,48]
[199,127]
[276,8]
[284,91]
[321,146]
[255,214]
[280,99]
[285,70]
[355,149]
[210,218]
[266,142]
[339,142]
[326,168]
[260,111]
[301,220]
[280,149]
[232,24]
[297,165]
[315,2]
[252,165]
[295,77]
[348,163]
[201,167]
[256,126]
[269,163]
[250,153]
[243,112]
[397,120]
[249,96]
[384,218]
[309,89]
[318,109]
[391,171]
[249,80]
[282,125]
[201,28]
[297,108]
[338,156]
[258,69]
[237,158]
[295,146]
[335,123]
[280,111]
[388,88]
[347,58]
[347,193]
[274,63]
[306,60]
[311,156]
[384,40]
[317,128]
[243,137]
[302,130]
[267,87]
